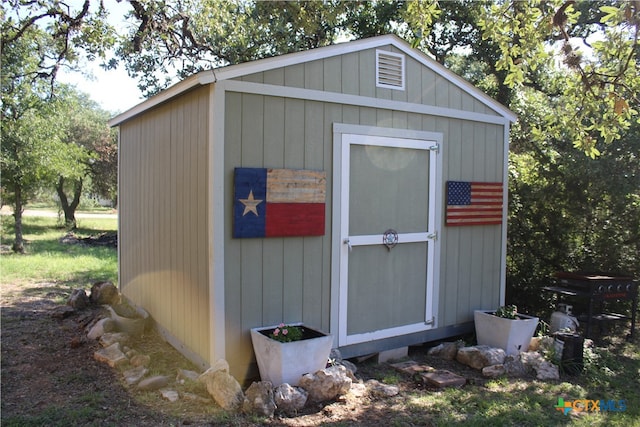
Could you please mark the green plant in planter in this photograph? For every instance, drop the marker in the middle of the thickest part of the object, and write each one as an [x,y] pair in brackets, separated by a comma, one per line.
[286,333]
[507,312]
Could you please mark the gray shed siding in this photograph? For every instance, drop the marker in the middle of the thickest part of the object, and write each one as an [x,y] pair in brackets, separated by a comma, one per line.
[354,74]
[168,195]
[163,203]
[288,279]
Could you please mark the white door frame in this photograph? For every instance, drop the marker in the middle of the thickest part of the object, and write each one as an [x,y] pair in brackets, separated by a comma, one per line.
[344,137]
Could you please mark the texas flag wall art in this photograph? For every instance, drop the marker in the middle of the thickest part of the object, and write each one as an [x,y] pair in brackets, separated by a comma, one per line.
[278,202]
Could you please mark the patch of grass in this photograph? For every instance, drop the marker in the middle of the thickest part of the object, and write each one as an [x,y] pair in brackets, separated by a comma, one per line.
[58,416]
[46,259]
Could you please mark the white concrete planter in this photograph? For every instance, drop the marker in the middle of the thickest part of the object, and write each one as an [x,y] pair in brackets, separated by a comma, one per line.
[287,362]
[511,335]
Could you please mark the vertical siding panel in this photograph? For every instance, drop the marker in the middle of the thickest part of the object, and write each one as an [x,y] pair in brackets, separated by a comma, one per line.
[469,258]
[428,86]
[456,98]
[294,134]
[332,74]
[368,116]
[163,169]
[413,84]
[184,136]
[334,113]
[350,114]
[350,74]
[367,64]
[494,164]
[203,220]
[399,120]
[414,121]
[453,256]
[313,73]
[169,315]
[252,249]
[232,269]
[192,315]
[274,77]
[314,159]
[294,75]
[274,143]
[254,78]
[441,92]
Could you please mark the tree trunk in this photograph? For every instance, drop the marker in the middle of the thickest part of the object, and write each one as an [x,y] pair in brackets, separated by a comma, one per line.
[18,243]
[69,209]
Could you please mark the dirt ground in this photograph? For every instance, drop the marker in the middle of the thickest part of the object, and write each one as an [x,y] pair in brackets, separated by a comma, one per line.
[49,376]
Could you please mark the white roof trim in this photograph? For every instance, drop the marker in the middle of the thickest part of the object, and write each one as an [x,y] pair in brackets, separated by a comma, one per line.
[239,70]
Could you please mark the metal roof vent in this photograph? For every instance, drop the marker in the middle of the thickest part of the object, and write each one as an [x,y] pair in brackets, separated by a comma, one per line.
[389,70]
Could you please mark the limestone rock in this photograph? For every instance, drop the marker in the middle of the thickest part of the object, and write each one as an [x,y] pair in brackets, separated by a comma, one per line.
[351,369]
[547,371]
[513,366]
[134,375]
[258,399]
[335,356]
[218,365]
[493,371]
[185,375]
[78,299]
[480,356]
[445,350]
[170,395]
[326,384]
[378,389]
[534,361]
[110,338]
[153,383]
[104,293]
[111,355]
[224,389]
[289,399]
[100,328]
[358,389]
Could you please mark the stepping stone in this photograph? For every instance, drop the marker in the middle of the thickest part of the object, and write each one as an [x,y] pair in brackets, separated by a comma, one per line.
[442,378]
[411,367]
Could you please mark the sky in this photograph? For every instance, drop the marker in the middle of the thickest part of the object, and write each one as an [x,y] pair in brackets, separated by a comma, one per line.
[114,90]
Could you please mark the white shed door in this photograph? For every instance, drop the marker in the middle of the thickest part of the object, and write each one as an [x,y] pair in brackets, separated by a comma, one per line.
[387,237]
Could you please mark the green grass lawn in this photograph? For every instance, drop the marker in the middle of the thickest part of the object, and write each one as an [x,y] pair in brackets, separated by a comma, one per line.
[46,259]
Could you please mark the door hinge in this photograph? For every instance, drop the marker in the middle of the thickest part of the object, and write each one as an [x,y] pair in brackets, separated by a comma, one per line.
[433,236]
[435,148]
[432,321]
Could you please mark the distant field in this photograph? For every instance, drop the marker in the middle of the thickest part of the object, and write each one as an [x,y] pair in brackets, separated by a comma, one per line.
[46,259]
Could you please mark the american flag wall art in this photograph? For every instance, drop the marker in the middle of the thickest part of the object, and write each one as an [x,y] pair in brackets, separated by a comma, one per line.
[278,202]
[474,203]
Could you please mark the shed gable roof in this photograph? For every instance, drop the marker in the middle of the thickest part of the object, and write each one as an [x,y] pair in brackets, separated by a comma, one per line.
[240,70]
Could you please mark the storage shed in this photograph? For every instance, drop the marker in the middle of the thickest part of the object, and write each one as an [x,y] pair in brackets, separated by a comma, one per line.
[359,188]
